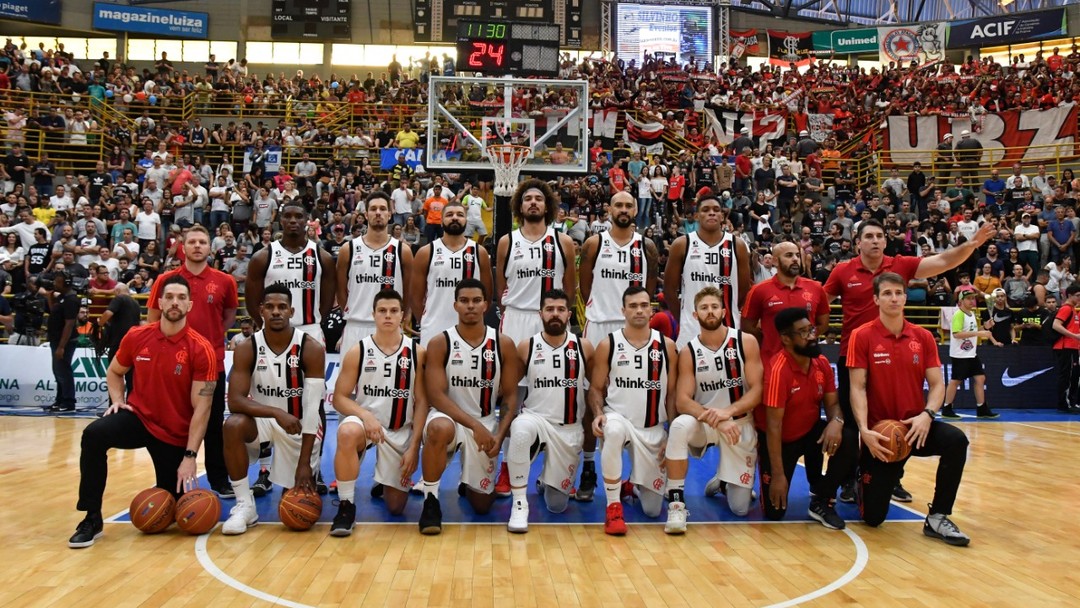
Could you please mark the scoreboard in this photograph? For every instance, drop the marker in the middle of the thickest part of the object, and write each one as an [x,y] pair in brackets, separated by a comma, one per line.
[497,48]
[439,20]
[310,20]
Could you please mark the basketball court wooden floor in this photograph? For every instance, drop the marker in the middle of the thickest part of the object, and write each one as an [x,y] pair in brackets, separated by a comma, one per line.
[1019,508]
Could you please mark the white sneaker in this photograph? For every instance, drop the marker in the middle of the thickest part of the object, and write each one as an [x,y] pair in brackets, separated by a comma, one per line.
[519,516]
[241,517]
[676,518]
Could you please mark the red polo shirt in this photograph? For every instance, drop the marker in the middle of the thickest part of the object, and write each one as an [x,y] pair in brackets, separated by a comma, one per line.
[165,369]
[854,283]
[895,368]
[799,393]
[768,298]
[1070,319]
[212,293]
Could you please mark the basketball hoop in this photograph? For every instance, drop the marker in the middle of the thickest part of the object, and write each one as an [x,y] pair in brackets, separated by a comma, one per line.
[507,160]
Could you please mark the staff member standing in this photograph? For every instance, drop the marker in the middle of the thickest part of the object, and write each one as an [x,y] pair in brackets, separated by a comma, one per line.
[213,311]
[165,412]
[63,312]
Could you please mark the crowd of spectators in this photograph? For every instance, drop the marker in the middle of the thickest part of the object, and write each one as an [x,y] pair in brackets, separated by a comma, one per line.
[119,218]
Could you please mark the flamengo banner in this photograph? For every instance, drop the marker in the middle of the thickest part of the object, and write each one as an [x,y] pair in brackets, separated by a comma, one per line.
[747,41]
[923,43]
[26,378]
[787,47]
[1006,137]
[1008,29]
[726,124]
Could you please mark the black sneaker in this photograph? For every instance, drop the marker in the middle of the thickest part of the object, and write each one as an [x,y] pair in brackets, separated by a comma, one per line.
[899,494]
[938,525]
[89,530]
[587,488]
[984,411]
[847,492]
[262,485]
[320,485]
[61,409]
[947,411]
[822,511]
[462,490]
[344,520]
[224,491]
[377,490]
[431,516]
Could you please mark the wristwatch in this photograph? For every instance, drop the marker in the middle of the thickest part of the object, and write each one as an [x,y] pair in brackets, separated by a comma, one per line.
[190,454]
[930,413]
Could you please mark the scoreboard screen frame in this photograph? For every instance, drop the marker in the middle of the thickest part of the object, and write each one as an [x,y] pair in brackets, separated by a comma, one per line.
[489,46]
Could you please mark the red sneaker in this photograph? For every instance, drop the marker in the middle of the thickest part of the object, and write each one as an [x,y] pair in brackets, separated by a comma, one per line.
[614,524]
[626,491]
[502,484]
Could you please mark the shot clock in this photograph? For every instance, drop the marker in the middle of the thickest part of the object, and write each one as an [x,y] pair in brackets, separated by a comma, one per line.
[507,47]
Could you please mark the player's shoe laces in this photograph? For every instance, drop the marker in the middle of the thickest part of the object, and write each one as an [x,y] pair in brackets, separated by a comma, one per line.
[900,494]
[519,516]
[822,511]
[89,530]
[676,518]
[344,520]
[947,411]
[614,524]
[984,411]
[431,516]
[502,484]
[241,517]
[938,525]
[262,485]
[587,488]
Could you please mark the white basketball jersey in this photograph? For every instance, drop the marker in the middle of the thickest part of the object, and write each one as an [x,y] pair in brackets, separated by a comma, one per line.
[718,374]
[473,373]
[706,266]
[386,381]
[370,270]
[446,268]
[531,269]
[277,380]
[616,268]
[638,379]
[302,273]
[555,377]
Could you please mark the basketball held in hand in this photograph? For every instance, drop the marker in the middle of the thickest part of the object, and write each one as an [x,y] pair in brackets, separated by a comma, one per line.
[299,510]
[152,510]
[894,432]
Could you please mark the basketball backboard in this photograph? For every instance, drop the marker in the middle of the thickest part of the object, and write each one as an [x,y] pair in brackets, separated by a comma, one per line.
[465,114]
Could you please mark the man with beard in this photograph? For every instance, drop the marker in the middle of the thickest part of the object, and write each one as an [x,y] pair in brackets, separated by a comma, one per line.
[556,364]
[610,262]
[165,412]
[370,263]
[709,256]
[439,266]
[799,382]
[301,265]
[786,289]
[719,384]
[213,311]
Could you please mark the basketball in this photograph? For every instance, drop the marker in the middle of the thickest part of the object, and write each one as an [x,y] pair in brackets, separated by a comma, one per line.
[152,510]
[198,511]
[299,510]
[894,432]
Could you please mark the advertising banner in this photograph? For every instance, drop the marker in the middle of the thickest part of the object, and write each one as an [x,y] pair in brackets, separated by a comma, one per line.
[1008,29]
[273,160]
[1025,136]
[41,11]
[787,47]
[746,41]
[845,42]
[388,157]
[157,21]
[923,43]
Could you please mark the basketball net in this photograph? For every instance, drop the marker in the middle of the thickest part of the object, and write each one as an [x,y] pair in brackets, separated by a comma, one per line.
[507,160]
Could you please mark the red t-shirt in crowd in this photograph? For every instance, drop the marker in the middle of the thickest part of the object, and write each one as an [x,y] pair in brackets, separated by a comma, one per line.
[663,322]
[768,298]
[854,283]
[165,369]
[617,177]
[895,368]
[212,293]
[1070,319]
[742,165]
[799,393]
[676,185]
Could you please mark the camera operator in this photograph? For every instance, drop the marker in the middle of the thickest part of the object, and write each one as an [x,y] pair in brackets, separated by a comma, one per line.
[29,308]
[63,311]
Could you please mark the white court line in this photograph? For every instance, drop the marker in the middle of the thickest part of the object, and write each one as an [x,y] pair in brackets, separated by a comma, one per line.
[862,556]
[209,565]
[1043,428]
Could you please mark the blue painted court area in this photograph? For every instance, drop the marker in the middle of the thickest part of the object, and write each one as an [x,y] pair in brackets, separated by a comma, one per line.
[456,509]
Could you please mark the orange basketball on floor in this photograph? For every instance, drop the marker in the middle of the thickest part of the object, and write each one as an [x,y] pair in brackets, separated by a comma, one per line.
[299,510]
[152,510]
[198,511]
[894,432]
